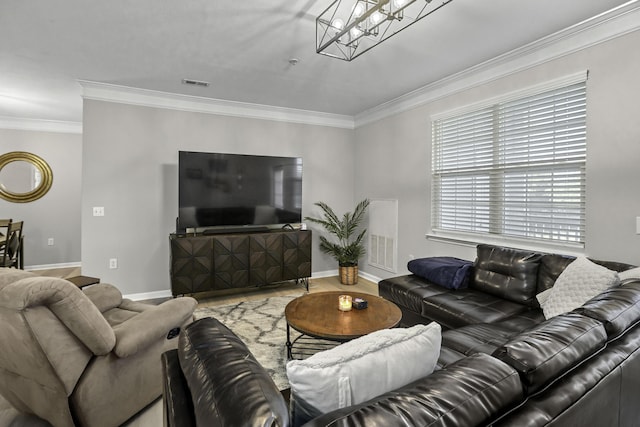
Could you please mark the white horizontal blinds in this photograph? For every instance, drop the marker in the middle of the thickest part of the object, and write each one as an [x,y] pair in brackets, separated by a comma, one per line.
[462,161]
[515,169]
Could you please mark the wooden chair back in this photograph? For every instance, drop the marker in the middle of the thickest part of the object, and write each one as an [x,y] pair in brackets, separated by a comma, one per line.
[12,248]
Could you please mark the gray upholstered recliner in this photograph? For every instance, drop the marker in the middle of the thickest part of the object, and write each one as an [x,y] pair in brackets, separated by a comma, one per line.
[86,358]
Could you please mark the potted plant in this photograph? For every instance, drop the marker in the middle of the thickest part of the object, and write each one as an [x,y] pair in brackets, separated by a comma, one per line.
[347,247]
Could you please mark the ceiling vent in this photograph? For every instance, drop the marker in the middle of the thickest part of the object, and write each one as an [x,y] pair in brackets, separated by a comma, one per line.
[195,82]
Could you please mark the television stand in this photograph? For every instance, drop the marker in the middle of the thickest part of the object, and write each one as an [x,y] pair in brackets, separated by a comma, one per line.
[238,262]
[238,229]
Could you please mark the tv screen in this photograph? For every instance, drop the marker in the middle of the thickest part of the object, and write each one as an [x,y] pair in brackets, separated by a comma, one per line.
[231,190]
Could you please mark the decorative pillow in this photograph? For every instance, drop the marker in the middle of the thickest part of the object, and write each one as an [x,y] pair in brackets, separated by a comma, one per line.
[629,275]
[543,296]
[579,282]
[361,369]
[448,272]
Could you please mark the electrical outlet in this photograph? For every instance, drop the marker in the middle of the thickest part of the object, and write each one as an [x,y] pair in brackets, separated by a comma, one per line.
[98,211]
[50,241]
[113,263]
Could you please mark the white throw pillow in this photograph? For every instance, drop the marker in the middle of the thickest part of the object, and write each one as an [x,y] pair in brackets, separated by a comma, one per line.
[364,368]
[630,275]
[578,283]
[543,296]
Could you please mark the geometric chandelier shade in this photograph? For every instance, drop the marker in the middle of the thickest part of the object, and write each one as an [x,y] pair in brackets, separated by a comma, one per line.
[349,28]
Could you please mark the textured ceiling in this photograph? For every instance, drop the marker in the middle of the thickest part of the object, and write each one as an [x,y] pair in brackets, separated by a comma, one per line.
[243,49]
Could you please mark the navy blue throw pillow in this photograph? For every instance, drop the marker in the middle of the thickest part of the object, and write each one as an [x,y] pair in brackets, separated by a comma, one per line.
[448,272]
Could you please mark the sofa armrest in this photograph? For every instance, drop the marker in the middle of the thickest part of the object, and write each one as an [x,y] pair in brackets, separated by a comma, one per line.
[147,327]
[178,406]
[228,385]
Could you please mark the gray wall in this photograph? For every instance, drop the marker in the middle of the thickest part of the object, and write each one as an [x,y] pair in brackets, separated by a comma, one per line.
[394,154]
[57,214]
[130,159]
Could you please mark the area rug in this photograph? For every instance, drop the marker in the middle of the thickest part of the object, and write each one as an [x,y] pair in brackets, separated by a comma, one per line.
[262,326]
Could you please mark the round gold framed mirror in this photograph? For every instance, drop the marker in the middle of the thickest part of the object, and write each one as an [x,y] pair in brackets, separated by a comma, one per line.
[24,177]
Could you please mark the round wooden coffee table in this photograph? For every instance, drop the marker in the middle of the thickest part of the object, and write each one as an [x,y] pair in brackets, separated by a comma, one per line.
[317,315]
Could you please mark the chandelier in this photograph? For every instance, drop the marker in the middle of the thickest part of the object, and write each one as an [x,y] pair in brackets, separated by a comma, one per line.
[346,30]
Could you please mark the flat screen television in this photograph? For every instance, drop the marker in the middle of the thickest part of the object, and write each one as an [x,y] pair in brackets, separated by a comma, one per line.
[219,190]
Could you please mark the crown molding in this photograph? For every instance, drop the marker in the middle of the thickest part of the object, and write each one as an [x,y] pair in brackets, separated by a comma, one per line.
[14,123]
[617,22]
[151,98]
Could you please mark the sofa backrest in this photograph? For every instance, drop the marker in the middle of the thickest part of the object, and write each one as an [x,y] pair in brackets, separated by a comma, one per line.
[601,391]
[469,392]
[618,308]
[548,350]
[551,265]
[511,274]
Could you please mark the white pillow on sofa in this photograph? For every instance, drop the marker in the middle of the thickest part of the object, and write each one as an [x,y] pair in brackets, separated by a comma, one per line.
[579,282]
[364,368]
[629,275]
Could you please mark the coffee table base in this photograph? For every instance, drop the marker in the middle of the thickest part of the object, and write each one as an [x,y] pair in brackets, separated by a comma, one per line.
[307,345]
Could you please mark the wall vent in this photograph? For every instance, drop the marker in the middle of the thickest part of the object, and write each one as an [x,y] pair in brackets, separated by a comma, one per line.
[383,234]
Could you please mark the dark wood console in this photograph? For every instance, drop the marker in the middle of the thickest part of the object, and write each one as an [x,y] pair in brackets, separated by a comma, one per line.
[221,263]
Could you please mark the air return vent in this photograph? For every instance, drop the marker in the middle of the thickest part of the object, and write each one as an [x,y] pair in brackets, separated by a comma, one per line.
[383,234]
[195,82]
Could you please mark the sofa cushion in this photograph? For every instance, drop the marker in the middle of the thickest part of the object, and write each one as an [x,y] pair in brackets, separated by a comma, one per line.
[362,369]
[580,281]
[228,386]
[511,274]
[618,308]
[488,337]
[448,272]
[551,348]
[471,392]
[462,307]
[408,291]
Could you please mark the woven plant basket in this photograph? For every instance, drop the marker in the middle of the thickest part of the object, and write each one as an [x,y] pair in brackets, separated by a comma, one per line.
[348,275]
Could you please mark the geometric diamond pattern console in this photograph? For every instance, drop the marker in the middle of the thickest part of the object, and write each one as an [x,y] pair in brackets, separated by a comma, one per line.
[223,262]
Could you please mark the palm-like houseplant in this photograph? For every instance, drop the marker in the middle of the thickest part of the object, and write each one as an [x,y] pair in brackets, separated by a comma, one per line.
[347,247]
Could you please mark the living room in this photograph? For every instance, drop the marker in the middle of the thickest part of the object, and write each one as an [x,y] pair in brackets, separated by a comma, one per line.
[122,156]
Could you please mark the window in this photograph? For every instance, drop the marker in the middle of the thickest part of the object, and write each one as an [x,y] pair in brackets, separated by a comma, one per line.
[514,169]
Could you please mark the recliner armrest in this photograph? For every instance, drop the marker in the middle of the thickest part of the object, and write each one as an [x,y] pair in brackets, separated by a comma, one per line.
[147,327]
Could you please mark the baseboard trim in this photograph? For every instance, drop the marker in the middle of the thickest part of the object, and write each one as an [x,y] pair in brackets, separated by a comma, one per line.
[149,295]
[331,273]
[323,274]
[369,277]
[53,266]
[315,275]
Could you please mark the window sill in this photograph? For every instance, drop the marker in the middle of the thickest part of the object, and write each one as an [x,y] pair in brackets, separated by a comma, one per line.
[468,240]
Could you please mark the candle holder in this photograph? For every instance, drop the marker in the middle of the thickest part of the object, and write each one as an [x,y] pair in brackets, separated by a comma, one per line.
[344,302]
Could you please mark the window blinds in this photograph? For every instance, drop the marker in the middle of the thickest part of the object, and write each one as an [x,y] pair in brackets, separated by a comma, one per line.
[514,169]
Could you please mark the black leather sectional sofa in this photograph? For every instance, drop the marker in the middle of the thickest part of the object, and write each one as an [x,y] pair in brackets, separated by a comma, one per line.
[501,362]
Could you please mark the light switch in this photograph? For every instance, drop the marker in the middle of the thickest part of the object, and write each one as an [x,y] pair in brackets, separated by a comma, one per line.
[638,225]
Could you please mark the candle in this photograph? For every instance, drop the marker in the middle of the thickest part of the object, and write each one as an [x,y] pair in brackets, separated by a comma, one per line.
[344,302]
